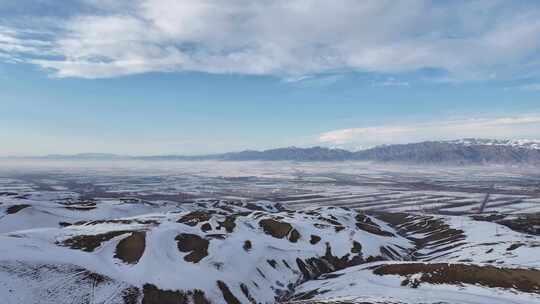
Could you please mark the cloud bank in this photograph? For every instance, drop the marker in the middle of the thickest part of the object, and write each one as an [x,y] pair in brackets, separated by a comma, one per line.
[527,127]
[466,40]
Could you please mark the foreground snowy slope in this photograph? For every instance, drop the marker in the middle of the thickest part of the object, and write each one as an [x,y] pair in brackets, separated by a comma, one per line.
[214,251]
[412,283]
[456,260]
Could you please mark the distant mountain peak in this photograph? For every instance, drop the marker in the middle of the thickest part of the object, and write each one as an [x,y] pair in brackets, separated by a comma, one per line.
[518,143]
[85,156]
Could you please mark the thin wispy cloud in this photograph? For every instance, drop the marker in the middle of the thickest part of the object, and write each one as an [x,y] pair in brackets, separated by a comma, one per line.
[527,127]
[531,87]
[391,82]
[468,40]
[315,81]
[19,46]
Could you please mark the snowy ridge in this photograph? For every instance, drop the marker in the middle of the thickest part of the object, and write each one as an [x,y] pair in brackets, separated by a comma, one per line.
[516,143]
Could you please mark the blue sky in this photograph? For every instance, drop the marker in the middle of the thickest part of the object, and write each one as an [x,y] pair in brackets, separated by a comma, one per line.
[188,77]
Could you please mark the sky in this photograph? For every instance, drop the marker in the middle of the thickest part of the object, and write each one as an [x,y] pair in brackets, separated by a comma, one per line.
[148,77]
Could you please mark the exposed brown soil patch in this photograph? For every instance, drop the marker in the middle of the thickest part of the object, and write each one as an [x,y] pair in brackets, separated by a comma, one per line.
[286,264]
[339,228]
[131,248]
[80,205]
[261,273]
[303,298]
[154,295]
[131,295]
[80,208]
[16,208]
[294,235]
[272,263]
[199,297]
[194,244]
[526,280]
[194,218]
[90,242]
[247,245]
[395,219]
[229,297]
[252,206]
[280,230]
[389,253]
[341,262]
[314,267]
[228,224]
[118,221]
[245,291]
[217,236]
[365,223]
[514,246]
[356,248]
[332,221]
[314,239]
[275,228]
[6,193]
[206,227]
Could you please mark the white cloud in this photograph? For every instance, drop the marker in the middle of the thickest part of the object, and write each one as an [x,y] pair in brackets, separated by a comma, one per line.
[310,81]
[499,128]
[292,38]
[14,47]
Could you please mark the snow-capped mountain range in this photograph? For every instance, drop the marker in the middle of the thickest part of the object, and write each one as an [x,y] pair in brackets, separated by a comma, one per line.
[469,151]
[517,143]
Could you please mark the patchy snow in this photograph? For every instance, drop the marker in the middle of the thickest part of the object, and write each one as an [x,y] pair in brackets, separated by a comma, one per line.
[493,243]
[359,284]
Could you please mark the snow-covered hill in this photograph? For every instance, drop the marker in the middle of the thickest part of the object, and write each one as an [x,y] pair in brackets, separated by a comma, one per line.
[81,251]
[53,208]
[212,251]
